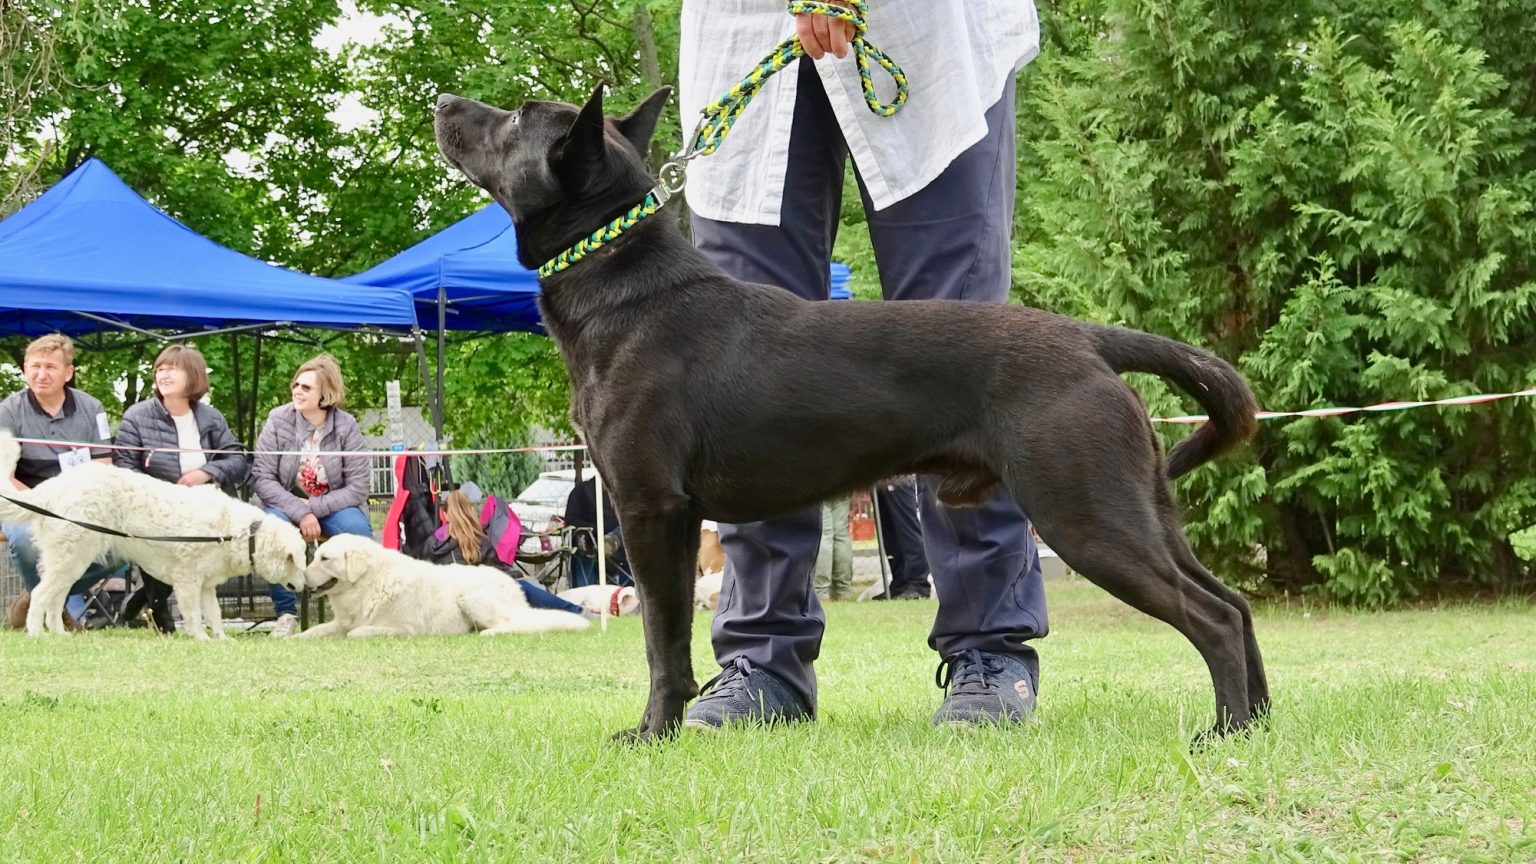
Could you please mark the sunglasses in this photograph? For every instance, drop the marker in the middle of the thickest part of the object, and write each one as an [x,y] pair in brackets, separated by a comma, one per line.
[302,388]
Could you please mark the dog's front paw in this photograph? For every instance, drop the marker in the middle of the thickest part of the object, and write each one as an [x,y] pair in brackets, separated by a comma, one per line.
[1222,731]
[637,735]
[647,733]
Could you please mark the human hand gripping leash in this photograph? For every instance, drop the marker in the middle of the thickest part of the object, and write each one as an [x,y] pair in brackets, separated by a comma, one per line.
[720,115]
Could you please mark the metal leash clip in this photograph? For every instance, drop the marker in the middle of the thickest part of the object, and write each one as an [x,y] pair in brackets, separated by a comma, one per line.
[672,176]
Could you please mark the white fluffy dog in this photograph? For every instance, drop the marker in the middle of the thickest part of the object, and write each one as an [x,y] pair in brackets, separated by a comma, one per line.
[141,505]
[380,592]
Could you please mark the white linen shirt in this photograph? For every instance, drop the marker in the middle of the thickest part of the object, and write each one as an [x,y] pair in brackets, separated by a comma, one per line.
[957,54]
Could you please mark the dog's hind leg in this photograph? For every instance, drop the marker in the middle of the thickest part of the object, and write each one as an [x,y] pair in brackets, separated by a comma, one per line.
[1173,533]
[1258,682]
[1140,570]
[1103,506]
[46,614]
[662,537]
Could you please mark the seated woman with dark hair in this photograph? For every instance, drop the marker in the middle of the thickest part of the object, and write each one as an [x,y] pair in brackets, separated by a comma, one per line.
[463,540]
[198,448]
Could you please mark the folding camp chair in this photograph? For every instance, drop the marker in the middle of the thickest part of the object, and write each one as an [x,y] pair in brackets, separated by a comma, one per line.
[104,601]
[546,558]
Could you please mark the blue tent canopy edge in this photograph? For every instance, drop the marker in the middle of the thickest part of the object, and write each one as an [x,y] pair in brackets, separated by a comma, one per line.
[473,263]
[91,254]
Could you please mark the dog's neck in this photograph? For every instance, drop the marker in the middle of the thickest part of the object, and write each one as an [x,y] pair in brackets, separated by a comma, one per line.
[544,235]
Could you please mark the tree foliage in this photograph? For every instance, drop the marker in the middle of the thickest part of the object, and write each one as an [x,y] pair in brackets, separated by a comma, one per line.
[1334,196]
[1338,200]
[224,113]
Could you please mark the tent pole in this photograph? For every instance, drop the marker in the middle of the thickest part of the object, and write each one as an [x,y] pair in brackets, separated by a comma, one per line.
[252,410]
[239,384]
[419,337]
[442,327]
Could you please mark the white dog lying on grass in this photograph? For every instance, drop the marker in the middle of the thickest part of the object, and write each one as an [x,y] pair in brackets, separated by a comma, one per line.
[380,592]
[141,505]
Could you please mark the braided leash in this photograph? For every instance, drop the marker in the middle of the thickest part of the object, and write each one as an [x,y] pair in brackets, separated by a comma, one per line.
[720,115]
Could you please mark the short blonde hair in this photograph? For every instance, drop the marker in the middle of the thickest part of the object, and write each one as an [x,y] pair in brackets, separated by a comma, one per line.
[327,378]
[189,360]
[49,344]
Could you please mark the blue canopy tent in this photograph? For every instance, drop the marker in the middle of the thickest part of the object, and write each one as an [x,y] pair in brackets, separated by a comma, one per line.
[840,276]
[91,254]
[468,273]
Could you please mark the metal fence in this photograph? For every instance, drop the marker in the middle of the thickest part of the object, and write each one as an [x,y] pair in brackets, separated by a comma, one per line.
[10,580]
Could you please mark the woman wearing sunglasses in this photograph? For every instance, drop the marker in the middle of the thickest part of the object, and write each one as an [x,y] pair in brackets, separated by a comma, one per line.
[324,495]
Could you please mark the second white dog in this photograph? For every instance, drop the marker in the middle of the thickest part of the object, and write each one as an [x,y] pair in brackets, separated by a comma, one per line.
[380,592]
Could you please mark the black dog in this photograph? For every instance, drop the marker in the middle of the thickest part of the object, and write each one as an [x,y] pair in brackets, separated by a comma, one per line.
[702,397]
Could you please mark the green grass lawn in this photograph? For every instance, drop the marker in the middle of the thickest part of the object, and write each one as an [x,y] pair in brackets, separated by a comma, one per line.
[1406,736]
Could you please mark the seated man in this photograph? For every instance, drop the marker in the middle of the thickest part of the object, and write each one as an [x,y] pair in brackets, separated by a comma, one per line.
[50,409]
[581,512]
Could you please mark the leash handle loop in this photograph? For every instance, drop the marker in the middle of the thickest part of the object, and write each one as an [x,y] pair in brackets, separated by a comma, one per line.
[719,116]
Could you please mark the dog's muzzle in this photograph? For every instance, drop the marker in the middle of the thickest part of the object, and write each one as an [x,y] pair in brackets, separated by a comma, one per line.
[324,586]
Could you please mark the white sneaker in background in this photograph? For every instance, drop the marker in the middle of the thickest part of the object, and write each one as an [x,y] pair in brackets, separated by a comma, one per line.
[284,626]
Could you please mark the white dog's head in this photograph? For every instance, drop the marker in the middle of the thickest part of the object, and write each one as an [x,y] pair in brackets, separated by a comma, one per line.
[343,558]
[279,553]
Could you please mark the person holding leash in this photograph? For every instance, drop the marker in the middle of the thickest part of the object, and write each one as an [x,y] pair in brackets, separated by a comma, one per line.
[937,183]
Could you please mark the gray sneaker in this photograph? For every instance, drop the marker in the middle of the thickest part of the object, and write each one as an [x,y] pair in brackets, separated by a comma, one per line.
[745,693]
[984,688]
[284,626]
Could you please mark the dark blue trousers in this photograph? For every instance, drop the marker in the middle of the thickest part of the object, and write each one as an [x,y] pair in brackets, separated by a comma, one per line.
[948,241]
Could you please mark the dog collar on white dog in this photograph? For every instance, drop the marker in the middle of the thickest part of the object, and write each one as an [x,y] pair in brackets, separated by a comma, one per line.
[613,602]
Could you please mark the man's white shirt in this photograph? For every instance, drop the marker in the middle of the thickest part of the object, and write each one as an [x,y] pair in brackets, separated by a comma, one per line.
[957,54]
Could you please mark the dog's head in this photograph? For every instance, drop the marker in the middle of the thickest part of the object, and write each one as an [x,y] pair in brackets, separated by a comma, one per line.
[559,170]
[279,554]
[341,560]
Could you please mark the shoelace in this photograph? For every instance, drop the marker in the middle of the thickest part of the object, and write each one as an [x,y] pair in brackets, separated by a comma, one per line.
[968,673]
[731,680]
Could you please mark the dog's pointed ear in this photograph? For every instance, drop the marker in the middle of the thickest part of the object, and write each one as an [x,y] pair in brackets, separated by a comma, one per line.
[640,124]
[584,141]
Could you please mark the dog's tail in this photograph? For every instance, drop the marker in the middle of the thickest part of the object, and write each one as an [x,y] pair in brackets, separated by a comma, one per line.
[537,621]
[10,454]
[1213,382]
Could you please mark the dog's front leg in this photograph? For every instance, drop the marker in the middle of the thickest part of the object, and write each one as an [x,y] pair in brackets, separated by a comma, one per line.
[191,603]
[212,612]
[663,543]
[333,627]
[372,630]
